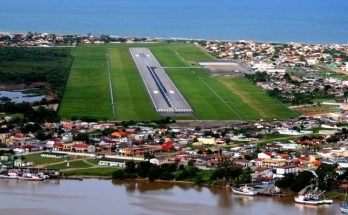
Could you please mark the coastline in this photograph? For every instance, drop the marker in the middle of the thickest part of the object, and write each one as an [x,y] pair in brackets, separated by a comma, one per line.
[187,38]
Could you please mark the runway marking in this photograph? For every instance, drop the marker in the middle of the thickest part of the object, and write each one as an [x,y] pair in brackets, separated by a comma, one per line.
[110,86]
[158,82]
[209,87]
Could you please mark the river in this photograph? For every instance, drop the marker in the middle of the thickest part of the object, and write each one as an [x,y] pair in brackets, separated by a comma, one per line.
[97,197]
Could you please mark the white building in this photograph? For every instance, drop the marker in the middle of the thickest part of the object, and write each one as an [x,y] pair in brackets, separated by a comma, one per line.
[281,171]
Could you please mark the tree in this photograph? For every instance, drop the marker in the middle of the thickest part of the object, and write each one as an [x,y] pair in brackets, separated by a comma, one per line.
[118,174]
[154,173]
[295,182]
[82,137]
[148,156]
[191,163]
[130,167]
[327,175]
[245,177]
[143,168]
[226,170]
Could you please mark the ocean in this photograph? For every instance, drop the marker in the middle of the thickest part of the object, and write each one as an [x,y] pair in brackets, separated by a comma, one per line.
[309,21]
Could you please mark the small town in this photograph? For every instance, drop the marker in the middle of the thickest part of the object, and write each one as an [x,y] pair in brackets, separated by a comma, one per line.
[269,157]
[263,151]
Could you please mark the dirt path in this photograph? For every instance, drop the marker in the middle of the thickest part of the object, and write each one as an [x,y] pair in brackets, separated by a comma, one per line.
[56,163]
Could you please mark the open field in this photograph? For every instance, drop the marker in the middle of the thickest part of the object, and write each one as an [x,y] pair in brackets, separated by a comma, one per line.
[251,102]
[131,98]
[87,91]
[38,160]
[212,98]
[72,165]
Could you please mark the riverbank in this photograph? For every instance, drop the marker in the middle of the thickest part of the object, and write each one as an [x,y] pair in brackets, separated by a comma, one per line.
[58,197]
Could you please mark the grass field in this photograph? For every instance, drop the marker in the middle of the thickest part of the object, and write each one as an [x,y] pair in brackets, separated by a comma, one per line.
[132,100]
[212,98]
[37,159]
[87,90]
[73,164]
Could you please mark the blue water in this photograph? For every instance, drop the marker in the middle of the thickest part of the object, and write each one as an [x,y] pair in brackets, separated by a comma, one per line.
[312,21]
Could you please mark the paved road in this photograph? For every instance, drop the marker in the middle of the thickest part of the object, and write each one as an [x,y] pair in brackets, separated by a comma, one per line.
[166,98]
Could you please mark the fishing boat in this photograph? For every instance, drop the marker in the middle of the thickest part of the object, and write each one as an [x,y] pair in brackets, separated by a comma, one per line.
[310,196]
[244,190]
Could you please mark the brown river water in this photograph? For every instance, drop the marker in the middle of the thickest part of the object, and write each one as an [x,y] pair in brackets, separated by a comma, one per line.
[106,197]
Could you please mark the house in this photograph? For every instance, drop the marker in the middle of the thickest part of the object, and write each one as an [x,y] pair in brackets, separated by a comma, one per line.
[257,162]
[161,160]
[121,163]
[273,163]
[264,155]
[119,134]
[283,156]
[207,141]
[81,147]
[262,173]
[168,145]
[281,171]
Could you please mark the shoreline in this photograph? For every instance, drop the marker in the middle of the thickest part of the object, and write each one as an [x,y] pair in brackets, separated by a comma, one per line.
[186,39]
[173,182]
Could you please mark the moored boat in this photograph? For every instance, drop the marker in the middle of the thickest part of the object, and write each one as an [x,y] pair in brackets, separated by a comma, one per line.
[309,196]
[244,190]
[12,174]
[31,177]
[344,208]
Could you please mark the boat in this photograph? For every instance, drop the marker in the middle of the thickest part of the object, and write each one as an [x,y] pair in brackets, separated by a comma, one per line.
[12,174]
[244,190]
[31,177]
[344,208]
[310,196]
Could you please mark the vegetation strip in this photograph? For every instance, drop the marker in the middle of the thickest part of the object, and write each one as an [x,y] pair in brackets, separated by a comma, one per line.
[222,99]
[110,86]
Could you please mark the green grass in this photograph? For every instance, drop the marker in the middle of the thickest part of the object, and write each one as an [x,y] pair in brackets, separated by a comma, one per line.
[212,98]
[251,102]
[37,159]
[94,161]
[107,171]
[87,90]
[132,100]
[15,115]
[73,164]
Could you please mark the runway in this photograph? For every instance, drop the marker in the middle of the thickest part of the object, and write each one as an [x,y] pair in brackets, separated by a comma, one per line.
[166,98]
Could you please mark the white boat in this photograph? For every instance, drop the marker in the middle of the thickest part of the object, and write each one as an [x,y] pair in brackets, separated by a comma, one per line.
[344,205]
[31,177]
[309,196]
[344,208]
[244,190]
[12,174]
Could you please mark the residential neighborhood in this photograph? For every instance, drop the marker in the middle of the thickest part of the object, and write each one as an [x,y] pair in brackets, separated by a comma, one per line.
[270,149]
